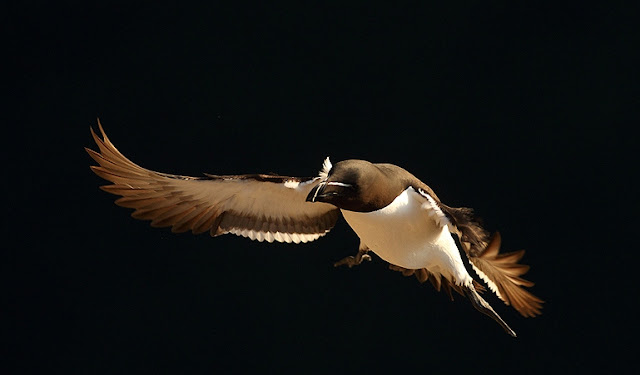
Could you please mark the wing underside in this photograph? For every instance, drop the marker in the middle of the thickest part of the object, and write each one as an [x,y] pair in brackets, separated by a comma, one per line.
[261,207]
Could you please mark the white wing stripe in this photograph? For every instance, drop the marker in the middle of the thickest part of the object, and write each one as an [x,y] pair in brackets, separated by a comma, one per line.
[279,237]
[434,210]
[486,279]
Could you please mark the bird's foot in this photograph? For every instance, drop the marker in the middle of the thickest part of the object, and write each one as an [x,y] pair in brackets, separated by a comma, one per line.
[351,261]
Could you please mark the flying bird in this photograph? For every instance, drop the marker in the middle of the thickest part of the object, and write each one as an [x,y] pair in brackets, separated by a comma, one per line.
[395,215]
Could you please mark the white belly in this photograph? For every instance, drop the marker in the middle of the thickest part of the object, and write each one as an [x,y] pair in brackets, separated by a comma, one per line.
[404,234]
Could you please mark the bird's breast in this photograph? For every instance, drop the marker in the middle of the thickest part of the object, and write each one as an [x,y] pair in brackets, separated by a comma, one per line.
[403,234]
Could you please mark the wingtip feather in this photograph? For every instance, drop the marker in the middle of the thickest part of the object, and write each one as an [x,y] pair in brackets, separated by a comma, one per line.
[502,273]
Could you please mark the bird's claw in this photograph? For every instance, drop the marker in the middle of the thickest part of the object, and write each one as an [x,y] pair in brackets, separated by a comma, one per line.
[351,261]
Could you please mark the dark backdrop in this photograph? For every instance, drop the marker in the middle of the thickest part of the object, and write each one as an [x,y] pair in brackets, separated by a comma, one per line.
[523,111]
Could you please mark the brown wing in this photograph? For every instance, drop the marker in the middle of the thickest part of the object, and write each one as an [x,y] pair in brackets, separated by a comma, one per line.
[260,207]
[502,274]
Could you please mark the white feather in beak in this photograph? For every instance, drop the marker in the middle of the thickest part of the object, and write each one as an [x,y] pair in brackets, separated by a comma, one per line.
[326,167]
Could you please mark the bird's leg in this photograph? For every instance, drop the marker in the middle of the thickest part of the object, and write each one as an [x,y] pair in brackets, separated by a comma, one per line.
[483,306]
[351,261]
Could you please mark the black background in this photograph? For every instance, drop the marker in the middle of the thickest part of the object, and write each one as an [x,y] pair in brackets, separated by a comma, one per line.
[525,112]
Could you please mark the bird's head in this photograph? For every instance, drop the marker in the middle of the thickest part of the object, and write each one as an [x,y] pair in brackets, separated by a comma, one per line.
[342,185]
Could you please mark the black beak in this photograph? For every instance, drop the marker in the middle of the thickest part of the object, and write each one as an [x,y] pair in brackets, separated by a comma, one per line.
[316,192]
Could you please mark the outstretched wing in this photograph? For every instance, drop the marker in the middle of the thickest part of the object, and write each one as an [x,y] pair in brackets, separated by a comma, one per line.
[260,207]
[501,272]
